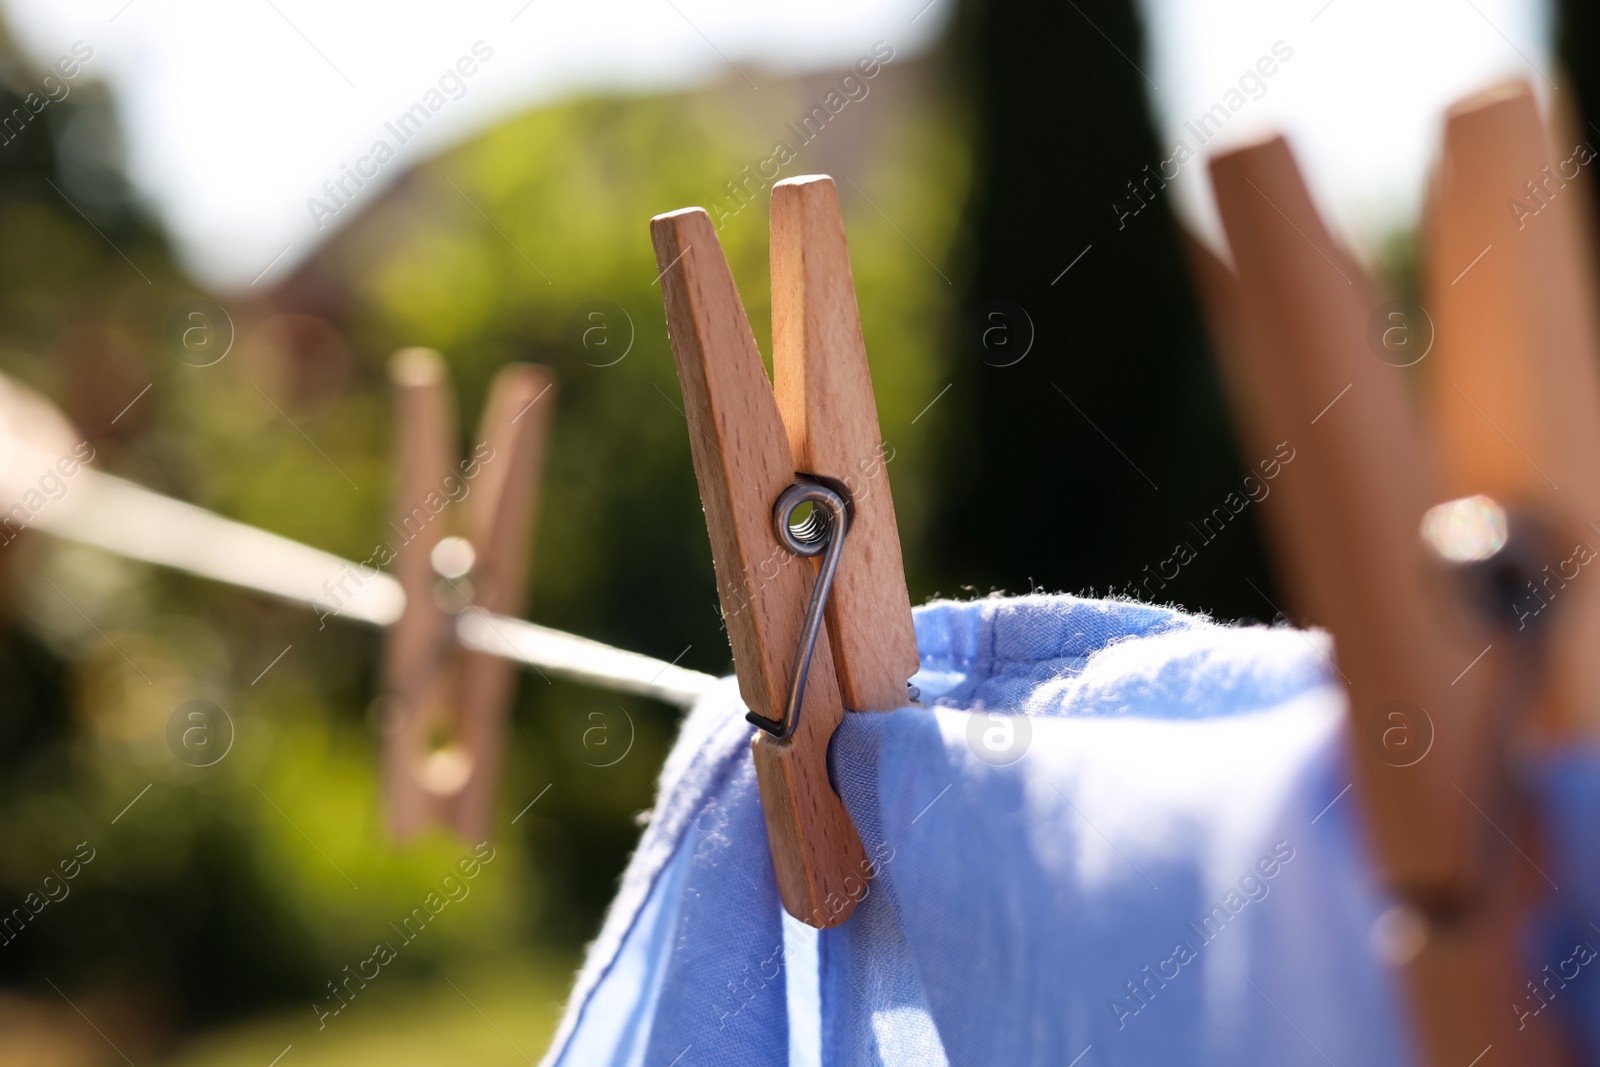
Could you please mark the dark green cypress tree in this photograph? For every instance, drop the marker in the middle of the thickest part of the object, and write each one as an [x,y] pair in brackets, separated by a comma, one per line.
[1088,460]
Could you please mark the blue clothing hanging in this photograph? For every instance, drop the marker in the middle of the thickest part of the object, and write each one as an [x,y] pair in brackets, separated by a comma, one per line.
[1116,835]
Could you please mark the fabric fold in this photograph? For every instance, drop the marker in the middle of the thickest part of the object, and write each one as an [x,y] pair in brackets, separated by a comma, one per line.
[679,972]
[1112,834]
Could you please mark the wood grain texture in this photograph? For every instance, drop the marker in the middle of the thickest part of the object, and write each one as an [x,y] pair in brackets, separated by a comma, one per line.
[742,463]
[1515,390]
[824,391]
[1348,547]
[417,685]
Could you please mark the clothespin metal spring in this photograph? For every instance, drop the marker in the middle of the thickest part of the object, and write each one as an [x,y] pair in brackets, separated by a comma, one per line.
[853,646]
[821,533]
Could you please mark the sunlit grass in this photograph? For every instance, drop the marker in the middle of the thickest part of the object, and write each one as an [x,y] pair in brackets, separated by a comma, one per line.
[505,1015]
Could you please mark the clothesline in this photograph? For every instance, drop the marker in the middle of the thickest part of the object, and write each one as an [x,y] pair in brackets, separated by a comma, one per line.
[129,520]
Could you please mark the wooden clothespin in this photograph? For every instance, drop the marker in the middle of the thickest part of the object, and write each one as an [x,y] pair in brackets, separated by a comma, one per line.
[1515,389]
[1350,514]
[445,707]
[756,457]
[1292,328]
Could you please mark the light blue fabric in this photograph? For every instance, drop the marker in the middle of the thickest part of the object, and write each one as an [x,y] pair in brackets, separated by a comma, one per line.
[687,966]
[1033,912]
[1568,786]
[1184,785]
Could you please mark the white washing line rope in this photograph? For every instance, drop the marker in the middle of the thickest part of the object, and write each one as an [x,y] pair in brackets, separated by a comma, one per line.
[130,520]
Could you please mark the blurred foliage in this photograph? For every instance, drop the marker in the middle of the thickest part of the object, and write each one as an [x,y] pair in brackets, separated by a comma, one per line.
[242,889]
[505,1015]
[223,900]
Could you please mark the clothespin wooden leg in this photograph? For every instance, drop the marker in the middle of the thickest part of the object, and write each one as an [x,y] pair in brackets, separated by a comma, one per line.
[1359,487]
[1515,386]
[501,510]
[743,462]
[825,396]
[1262,424]
[1351,511]
[445,714]
[417,685]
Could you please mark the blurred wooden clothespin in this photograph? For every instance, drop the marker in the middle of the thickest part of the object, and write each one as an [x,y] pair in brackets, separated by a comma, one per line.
[758,460]
[1515,391]
[1435,680]
[445,707]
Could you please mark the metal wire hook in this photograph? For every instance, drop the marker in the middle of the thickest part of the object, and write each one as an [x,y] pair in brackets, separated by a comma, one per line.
[822,531]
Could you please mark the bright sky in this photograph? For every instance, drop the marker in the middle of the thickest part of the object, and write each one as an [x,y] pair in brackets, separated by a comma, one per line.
[1362,98]
[237,112]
